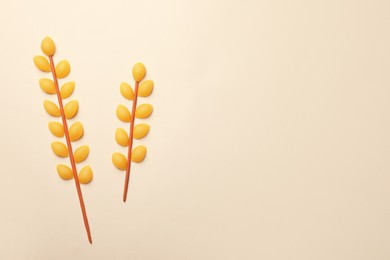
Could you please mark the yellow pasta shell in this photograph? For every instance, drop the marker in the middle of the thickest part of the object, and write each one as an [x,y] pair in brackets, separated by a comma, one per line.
[51,108]
[145,88]
[85,175]
[123,113]
[140,131]
[81,153]
[76,131]
[144,111]
[121,137]
[139,71]
[62,69]
[138,154]
[59,149]
[119,160]
[47,85]
[67,89]
[71,109]
[126,91]
[48,47]
[56,129]
[64,172]
[42,63]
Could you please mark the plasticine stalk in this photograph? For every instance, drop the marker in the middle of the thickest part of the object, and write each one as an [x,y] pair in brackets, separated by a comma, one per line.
[142,88]
[68,111]
[69,144]
[128,166]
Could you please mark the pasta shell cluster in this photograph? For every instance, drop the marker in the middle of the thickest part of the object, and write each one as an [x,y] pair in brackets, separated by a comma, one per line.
[144,88]
[69,111]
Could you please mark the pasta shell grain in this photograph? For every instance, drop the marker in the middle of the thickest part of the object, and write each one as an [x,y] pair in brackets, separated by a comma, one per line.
[51,108]
[67,89]
[56,129]
[119,160]
[144,111]
[47,85]
[126,91]
[139,71]
[62,69]
[48,47]
[121,137]
[145,88]
[123,113]
[81,153]
[76,131]
[85,175]
[141,130]
[71,109]
[64,172]
[59,149]
[42,63]
[138,154]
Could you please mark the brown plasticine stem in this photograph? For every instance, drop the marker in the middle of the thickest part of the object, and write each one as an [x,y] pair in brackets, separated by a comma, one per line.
[128,166]
[70,151]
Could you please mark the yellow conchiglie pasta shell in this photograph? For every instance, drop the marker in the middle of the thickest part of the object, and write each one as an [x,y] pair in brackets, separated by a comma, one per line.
[141,130]
[59,149]
[62,69]
[144,111]
[48,47]
[67,89]
[71,109]
[119,160]
[145,88]
[85,175]
[126,91]
[138,154]
[81,153]
[139,71]
[76,131]
[64,172]
[56,129]
[123,113]
[42,63]
[47,85]
[51,108]
[121,137]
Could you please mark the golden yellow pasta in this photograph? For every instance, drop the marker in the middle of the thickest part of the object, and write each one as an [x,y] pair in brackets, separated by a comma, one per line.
[123,113]
[42,63]
[142,89]
[71,109]
[48,47]
[62,69]
[81,153]
[141,130]
[126,91]
[56,129]
[139,71]
[144,111]
[121,137]
[119,160]
[47,85]
[145,88]
[138,154]
[64,172]
[59,149]
[67,89]
[76,131]
[85,175]
[51,108]
[68,111]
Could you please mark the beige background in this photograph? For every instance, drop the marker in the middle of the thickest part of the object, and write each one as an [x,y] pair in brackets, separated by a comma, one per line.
[270,136]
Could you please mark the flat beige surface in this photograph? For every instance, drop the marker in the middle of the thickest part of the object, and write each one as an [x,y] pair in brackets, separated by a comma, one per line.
[269,139]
